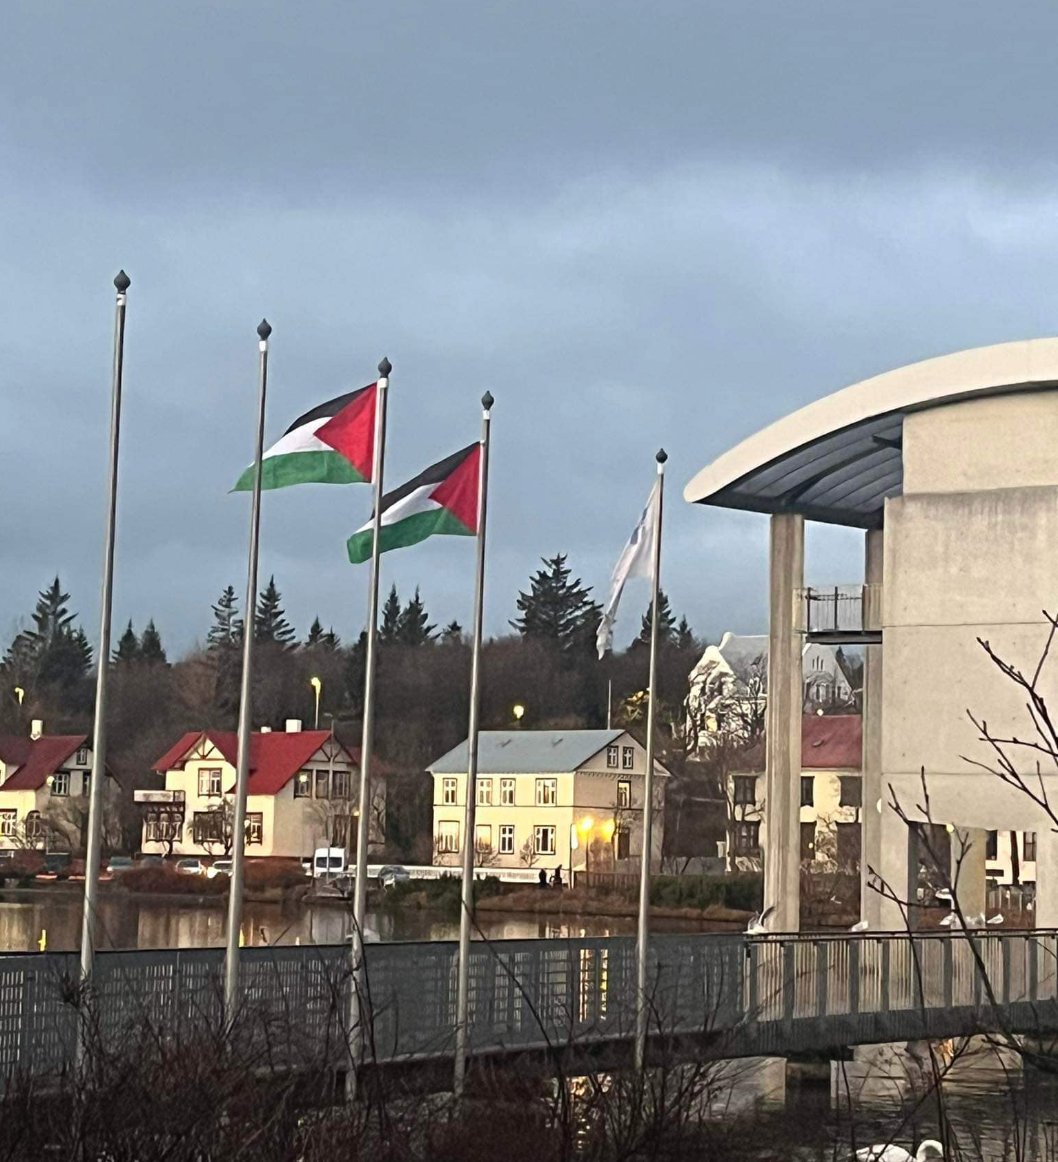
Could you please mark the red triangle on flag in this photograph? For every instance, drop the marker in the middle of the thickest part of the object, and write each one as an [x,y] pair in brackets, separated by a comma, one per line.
[352,431]
[458,492]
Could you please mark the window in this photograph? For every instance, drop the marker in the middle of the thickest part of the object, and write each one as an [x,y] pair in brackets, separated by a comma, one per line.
[808,841]
[447,836]
[544,840]
[848,845]
[611,757]
[208,827]
[209,782]
[484,792]
[851,791]
[163,826]
[323,784]
[628,758]
[60,783]
[807,787]
[746,839]
[507,839]
[8,823]
[255,827]
[82,756]
[448,791]
[86,783]
[992,845]
[624,843]
[507,792]
[1028,850]
[339,784]
[483,839]
[745,790]
[34,826]
[546,792]
[624,793]
[303,785]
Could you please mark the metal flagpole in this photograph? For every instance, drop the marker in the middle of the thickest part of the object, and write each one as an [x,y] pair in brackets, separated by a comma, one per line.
[242,769]
[642,1001]
[99,730]
[363,822]
[466,911]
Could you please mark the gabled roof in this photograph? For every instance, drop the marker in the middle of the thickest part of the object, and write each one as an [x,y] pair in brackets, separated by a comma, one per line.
[275,756]
[36,758]
[829,742]
[514,752]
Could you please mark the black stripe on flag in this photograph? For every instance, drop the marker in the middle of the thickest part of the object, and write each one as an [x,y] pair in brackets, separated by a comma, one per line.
[325,411]
[432,475]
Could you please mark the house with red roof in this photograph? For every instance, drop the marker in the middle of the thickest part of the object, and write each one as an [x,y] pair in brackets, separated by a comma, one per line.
[303,793]
[44,781]
[831,794]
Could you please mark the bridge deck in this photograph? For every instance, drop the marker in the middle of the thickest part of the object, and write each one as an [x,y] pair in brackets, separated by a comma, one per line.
[727,996]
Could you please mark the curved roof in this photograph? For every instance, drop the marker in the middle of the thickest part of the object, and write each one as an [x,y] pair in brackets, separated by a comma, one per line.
[837,459]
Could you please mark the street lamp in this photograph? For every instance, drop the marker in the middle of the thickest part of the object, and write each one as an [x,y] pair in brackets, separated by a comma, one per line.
[317,685]
[518,710]
[19,694]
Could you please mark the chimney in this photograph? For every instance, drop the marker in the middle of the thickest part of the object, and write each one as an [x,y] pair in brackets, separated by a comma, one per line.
[36,728]
[293,726]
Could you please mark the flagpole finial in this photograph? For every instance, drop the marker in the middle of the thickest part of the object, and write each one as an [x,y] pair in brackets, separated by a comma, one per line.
[122,282]
[662,456]
[487,401]
[385,367]
[264,329]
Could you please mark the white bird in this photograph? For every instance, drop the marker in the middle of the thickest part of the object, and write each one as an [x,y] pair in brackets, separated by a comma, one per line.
[756,926]
[975,921]
[996,919]
[949,920]
[930,1148]
[860,926]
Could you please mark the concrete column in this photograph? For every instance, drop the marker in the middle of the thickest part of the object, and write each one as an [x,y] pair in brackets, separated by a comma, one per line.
[972,886]
[782,842]
[1046,913]
[897,867]
[870,816]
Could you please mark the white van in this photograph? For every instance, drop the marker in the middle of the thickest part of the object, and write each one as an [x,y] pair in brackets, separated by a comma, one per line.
[328,861]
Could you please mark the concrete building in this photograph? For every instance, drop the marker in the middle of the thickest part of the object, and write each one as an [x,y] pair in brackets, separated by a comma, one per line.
[548,798]
[44,782]
[948,467]
[303,792]
[830,796]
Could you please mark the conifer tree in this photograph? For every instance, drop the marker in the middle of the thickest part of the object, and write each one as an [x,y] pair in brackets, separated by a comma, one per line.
[320,638]
[391,612]
[151,649]
[53,651]
[666,623]
[452,634]
[685,639]
[413,628]
[270,623]
[227,625]
[315,632]
[128,649]
[557,610]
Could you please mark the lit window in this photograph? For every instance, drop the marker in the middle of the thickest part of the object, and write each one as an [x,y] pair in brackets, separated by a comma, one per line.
[303,785]
[447,837]
[507,839]
[611,757]
[546,792]
[60,783]
[624,793]
[484,792]
[628,758]
[544,840]
[448,791]
[255,827]
[507,792]
[209,782]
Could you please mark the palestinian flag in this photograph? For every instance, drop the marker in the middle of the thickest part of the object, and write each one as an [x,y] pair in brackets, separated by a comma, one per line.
[443,499]
[332,444]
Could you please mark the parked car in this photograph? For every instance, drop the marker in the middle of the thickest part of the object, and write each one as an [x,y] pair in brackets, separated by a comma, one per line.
[120,863]
[392,874]
[192,866]
[151,861]
[219,867]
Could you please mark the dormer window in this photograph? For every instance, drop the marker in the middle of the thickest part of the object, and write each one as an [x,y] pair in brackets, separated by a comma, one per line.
[82,756]
[60,783]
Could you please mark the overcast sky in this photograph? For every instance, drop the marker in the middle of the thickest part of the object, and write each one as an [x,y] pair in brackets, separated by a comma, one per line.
[636,224]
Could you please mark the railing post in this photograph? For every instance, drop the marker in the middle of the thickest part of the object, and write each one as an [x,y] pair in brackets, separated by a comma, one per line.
[854,974]
[883,983]
[1034,968]
[789,980]
[753,956]
[949,974]
[1005,951]
[822,978]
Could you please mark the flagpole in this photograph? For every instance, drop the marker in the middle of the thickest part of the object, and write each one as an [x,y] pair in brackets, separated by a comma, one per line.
[363,822]
[466,909]
[99,730]
[242,769]
[642,931]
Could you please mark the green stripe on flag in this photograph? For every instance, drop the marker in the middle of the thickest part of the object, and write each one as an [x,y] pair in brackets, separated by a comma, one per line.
[409,531]
[319,467]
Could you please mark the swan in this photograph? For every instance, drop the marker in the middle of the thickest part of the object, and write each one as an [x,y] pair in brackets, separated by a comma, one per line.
[930,1148]
[996,919]
[860,926]
[756,926]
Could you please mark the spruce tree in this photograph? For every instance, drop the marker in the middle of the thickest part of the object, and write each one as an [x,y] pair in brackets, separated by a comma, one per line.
[269,623]
[557,610]
[128,649]
[53,651]
[413,628]
[452,634]
[227,625]
[319,638]
[685,639]
[315,632]
[391,612]
[151,649]
[666,623]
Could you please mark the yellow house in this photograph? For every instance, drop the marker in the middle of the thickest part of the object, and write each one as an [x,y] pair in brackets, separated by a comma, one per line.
[44,781]
[303,793]
[548,798]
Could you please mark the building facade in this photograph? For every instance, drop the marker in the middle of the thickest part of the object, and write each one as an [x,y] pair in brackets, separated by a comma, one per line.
[570,799]
[303,794]
[44,784]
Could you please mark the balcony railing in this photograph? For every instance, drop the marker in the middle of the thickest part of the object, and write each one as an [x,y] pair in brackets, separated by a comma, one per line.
[842,613]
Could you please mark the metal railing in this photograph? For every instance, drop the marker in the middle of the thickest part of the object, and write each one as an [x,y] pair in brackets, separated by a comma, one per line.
[842,609]
[733,995]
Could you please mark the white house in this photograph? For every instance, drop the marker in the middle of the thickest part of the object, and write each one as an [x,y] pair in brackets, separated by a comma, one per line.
[44,783]
[303,793]
[548,798]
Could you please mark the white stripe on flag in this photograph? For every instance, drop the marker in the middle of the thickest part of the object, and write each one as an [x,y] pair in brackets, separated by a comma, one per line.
[301,439]
[636,560]
[414,502]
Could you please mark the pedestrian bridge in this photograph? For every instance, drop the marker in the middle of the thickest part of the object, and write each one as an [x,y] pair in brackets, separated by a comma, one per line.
[718,996]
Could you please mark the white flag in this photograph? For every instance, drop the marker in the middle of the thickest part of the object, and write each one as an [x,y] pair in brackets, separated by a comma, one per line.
[636,560]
